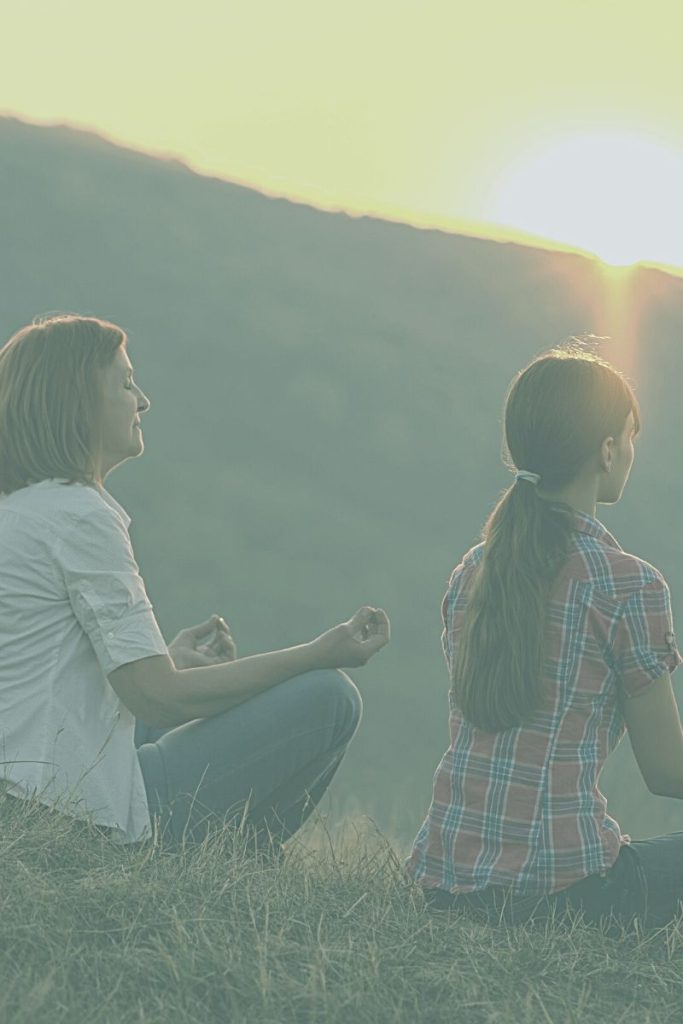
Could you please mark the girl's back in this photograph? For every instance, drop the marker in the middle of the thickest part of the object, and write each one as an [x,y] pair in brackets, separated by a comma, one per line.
[522,806]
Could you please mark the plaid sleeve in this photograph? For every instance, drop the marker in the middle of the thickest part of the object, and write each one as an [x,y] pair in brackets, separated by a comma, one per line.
[645,645]
[454,603]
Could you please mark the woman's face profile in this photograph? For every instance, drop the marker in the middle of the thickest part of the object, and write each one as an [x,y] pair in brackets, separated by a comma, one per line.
[122,405]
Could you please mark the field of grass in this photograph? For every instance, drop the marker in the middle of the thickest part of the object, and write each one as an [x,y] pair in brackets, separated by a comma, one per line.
[95,933]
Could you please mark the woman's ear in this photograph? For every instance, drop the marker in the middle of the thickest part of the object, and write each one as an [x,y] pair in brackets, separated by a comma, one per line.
[607,454]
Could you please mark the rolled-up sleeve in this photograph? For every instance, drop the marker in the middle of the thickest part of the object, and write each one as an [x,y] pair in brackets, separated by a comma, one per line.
[645,645]
[106,590]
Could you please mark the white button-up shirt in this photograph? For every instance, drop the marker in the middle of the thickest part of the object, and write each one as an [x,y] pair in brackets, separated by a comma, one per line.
[73,607]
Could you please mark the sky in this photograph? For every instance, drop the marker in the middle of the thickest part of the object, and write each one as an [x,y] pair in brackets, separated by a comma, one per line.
[556,119]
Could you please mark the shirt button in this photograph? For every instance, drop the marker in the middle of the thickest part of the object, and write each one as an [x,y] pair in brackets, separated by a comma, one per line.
[110,635]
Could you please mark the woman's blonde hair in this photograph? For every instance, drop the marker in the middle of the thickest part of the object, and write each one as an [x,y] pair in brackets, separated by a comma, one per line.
[51,399]
[558,412]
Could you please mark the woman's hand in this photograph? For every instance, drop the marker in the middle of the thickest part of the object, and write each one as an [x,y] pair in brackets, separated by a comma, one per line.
[354,642]
[192,648]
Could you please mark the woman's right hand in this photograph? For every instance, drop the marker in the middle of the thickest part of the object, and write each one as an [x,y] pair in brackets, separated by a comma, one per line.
[354,642]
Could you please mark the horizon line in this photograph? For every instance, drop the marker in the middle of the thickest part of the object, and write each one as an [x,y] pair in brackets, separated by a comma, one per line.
[461,227]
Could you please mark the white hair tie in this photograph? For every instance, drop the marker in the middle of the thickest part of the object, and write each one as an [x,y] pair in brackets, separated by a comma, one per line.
[525,474]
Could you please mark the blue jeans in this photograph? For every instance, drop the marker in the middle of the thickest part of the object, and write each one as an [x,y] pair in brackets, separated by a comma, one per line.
[265,763]
[644,884]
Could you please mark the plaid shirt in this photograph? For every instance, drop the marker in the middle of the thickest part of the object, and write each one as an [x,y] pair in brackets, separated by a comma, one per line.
[522,807]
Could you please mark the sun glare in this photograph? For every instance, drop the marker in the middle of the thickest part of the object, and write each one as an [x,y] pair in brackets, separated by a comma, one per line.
[617,196]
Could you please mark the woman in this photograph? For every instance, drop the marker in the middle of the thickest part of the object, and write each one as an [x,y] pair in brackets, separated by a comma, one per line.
[556,640]
[81,656]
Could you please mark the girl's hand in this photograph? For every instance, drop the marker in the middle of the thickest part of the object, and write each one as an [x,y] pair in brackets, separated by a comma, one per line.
[209,643]
[354,642]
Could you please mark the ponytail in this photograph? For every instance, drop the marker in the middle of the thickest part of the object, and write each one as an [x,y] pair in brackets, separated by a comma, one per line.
[498,668]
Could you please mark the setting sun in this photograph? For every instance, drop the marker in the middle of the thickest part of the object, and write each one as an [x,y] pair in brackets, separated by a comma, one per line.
[612,194]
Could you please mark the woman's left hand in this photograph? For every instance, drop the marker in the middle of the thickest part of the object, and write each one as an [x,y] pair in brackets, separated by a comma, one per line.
[209,643]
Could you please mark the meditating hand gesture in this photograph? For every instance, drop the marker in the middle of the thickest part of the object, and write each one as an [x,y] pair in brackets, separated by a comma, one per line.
[354,642]
[347,645]
[209,643]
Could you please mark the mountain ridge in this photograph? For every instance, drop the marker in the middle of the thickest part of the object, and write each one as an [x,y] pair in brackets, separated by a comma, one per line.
[479,233]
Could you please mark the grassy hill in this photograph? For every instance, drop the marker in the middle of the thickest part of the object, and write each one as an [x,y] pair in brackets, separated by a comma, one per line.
[325,422]
[92,933]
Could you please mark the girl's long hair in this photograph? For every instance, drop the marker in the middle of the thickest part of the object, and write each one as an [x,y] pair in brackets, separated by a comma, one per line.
[558,412]
[51,401]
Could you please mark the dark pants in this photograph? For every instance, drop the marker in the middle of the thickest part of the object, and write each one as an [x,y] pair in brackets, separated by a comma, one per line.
[644,884]
[264,764]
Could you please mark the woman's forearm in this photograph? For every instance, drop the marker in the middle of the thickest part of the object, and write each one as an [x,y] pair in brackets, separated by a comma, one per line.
[207,691]
[154,690]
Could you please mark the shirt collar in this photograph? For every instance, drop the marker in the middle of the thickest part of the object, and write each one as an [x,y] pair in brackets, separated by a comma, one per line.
[594,528]
[105,495]
[113,503]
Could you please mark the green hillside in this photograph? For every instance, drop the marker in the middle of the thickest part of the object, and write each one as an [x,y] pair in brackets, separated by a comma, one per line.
[326,396]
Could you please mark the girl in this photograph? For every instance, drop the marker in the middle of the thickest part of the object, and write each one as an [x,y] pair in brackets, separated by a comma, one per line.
[556,641]
[81,656]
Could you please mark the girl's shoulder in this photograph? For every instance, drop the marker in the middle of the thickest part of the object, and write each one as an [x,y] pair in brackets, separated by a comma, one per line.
[466,566]
[612,570]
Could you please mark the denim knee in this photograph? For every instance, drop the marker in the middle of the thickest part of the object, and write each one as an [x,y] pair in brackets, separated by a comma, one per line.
[341,695]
